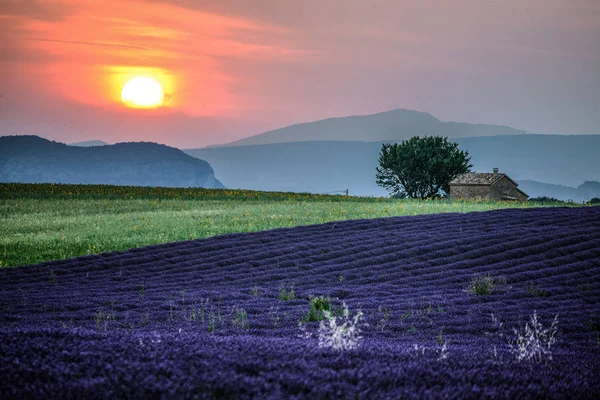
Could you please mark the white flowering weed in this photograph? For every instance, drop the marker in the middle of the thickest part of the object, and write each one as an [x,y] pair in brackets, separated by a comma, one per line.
[534,342]
[341,333]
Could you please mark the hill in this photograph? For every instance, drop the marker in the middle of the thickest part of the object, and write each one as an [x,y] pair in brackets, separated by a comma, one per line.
[584,192]
[34,159]
[89,143]
[540,189]
[325,166]
[317,167]
[588,190]
[394,125]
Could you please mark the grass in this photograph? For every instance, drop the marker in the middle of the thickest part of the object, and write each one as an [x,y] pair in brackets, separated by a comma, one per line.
[286,295]
[43,222]
[240,319]
[536,291]
[485,285]
[320,306]
[385,316]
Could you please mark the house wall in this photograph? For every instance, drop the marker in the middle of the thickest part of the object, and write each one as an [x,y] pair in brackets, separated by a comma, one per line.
[504,187]
[481,192]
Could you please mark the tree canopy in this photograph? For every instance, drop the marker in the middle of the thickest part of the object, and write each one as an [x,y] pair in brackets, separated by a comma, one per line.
[421,167]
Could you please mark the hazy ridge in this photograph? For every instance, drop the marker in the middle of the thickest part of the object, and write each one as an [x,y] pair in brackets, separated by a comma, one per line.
[325,166]
[287,160]
[34,159]
[88,143]
[394,125]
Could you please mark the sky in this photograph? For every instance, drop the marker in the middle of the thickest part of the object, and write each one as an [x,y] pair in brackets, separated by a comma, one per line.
[232,69]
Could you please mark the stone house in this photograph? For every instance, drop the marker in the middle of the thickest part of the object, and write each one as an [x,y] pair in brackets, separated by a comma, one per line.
[486,186]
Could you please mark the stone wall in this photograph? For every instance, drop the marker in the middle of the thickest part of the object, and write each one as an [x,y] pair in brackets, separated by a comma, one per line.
[501,188]
[504,187]
[480,192]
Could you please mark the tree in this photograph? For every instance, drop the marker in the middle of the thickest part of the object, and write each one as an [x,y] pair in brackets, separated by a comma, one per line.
[421,167]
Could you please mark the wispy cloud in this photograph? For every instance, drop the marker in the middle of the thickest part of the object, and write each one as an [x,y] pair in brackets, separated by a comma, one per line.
[123,46]
[292,61]
[90,39]
[37,9]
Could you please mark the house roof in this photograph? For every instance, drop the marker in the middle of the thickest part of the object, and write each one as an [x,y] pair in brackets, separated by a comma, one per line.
[483,178]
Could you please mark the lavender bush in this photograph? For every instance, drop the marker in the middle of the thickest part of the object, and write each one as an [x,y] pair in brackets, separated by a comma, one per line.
[205,318]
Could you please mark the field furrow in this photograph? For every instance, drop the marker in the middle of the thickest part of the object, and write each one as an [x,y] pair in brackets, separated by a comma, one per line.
[443,300]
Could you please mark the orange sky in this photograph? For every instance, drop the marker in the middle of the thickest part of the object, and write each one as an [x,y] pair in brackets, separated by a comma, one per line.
[93,50]
[232,68]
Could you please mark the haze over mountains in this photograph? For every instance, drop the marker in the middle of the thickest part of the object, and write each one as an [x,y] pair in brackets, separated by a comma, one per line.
[33,159]
[394,125]
[287,160]
[325,166]
[345,154]
[584,192]
[89,143]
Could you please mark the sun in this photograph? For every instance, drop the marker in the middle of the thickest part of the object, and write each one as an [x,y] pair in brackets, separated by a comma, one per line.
[142,92]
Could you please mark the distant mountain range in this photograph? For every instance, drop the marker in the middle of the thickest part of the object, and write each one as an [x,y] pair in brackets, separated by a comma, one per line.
[584,192]
[34,159]
[540,189]
[394,125]
[327,166]
[89,143]
[341,153]
[589,190]
[330,155]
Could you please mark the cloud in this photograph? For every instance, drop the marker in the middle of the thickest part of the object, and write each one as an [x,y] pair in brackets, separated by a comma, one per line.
[75,56]
[122,46]
[300,60]
[37,9]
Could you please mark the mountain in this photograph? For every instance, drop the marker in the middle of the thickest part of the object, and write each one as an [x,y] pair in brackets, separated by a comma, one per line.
[89,143]
[588,190]
[317,167]
[540,189]
[394,125]
[326,166]
[34,159]
[558,159]
[584,192]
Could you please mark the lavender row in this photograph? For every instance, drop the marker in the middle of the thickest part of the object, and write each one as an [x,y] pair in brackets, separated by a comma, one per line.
[198,366]
[228,315]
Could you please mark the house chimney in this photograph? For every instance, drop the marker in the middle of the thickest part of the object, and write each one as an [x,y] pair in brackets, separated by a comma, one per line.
[495,170]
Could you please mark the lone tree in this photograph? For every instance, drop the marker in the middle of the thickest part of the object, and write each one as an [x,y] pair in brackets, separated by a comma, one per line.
[421,167]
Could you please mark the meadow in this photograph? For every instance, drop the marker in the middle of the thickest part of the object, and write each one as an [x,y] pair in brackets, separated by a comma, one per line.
[43,222]
[483,305]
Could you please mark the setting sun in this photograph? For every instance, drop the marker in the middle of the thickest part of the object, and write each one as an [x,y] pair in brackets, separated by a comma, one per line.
[142,92]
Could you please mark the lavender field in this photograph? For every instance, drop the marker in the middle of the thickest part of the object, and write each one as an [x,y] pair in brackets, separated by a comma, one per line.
[499,304]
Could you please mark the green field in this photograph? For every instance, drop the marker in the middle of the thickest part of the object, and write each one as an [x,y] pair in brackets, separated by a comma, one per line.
[43,222]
